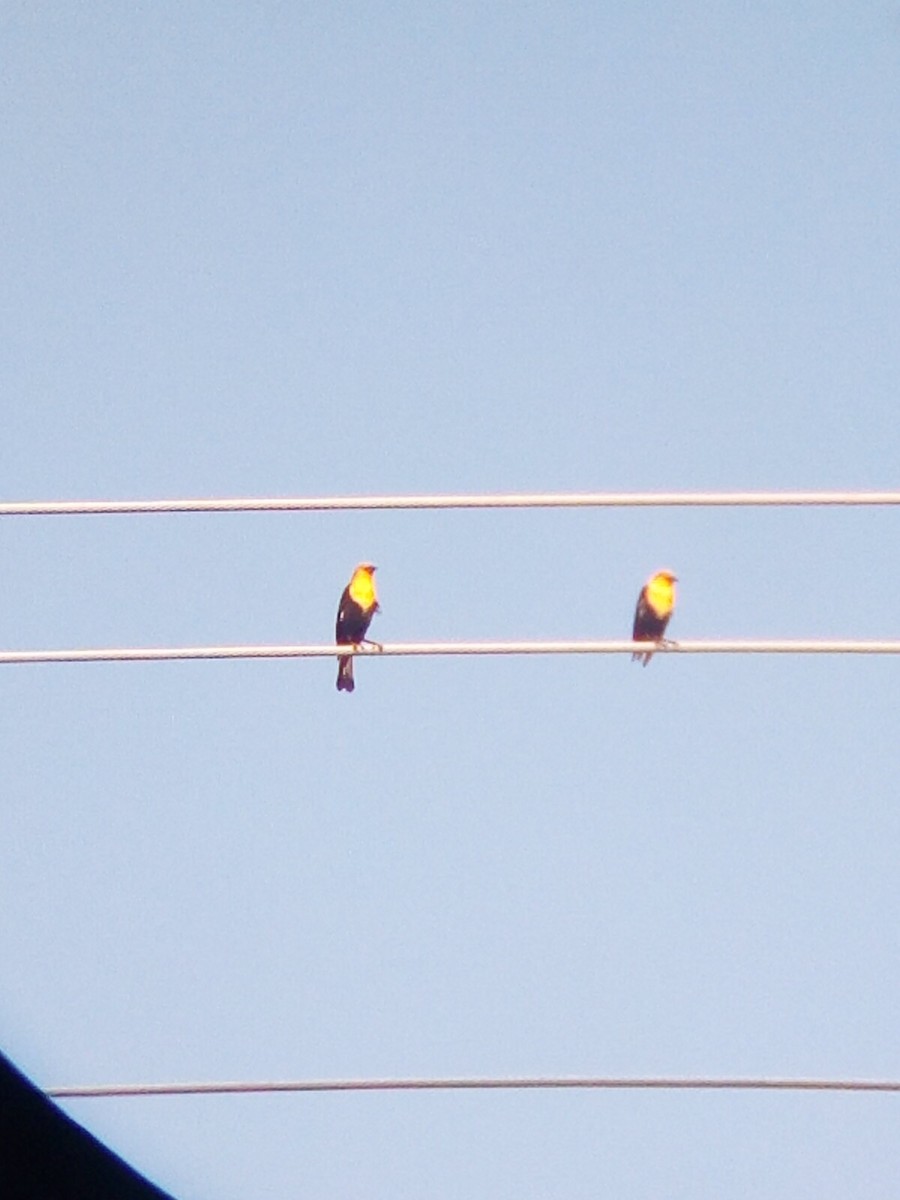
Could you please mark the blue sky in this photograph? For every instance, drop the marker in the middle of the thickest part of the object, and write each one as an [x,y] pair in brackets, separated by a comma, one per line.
[281,249]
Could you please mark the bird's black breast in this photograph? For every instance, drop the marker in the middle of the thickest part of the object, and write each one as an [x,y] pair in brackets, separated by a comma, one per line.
[352,622]
[648,625]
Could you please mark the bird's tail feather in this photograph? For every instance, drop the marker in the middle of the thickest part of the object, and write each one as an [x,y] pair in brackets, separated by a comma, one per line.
[345,674]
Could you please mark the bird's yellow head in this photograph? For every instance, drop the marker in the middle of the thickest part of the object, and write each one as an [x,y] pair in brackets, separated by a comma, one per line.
[661,591]
[362,586]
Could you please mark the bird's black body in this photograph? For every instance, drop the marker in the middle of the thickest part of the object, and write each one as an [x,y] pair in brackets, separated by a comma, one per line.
[350,629]
[649,626]
[352,623]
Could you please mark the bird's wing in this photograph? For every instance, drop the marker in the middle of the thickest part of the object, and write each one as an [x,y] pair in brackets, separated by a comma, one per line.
[640,614]
[345,613]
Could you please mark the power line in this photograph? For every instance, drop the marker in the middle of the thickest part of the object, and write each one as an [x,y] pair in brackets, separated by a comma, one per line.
[457,1083]
[502,500]
[435,649]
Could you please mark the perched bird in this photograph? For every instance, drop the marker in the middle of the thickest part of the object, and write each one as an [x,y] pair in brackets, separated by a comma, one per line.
[655,606]
[359,604]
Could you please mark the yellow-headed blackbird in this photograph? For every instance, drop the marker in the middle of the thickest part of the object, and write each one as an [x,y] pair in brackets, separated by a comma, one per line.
[359,604]
[655,606]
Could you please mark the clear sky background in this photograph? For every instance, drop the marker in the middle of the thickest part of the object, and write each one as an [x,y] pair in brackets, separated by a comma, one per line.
[313,249]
